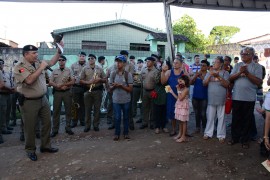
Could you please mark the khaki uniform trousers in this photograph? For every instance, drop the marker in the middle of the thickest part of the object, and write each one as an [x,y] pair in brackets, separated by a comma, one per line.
[148,104]
[92,99]
[32,111]
[58,98]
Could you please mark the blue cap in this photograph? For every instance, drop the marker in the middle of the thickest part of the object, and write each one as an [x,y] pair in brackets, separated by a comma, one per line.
[121,58]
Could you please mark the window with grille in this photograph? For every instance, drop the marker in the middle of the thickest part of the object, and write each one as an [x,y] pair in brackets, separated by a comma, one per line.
[97,45]
[139,47]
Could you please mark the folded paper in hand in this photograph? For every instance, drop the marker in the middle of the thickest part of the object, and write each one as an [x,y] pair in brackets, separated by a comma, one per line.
[167,88]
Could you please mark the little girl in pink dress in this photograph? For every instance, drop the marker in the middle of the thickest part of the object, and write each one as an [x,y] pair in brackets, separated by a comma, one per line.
[182,107]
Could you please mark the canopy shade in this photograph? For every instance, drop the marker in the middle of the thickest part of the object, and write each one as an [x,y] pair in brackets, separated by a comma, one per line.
[238,5]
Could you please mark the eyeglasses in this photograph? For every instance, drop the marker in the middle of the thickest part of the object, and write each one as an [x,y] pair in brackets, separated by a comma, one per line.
[61,60]
[244,54]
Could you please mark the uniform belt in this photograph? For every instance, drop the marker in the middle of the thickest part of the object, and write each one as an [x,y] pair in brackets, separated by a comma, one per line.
[61,90]
[137,86]
[76,85]
[148,89]
[97,88]
[33,98]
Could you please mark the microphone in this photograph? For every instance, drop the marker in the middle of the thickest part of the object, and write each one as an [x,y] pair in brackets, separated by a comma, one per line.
[47,68]
[50,69]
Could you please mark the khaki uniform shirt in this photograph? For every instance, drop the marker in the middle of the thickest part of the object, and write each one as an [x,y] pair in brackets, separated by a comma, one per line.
[88,73]
[76,69]
[21,71]
[61,77]
[6,79]
[150,78]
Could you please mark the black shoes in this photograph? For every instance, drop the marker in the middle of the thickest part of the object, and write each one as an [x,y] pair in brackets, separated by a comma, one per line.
[143,126]
[116,138]
[1,139]
[22,136]
[13,123]
[69,132]
[49,150]
[6,132]
[53,134]
[86,129]
[32,156]
[9,128]
[96,128]
[73,125]
[152,127]
[111,127]
[139,121]
[82,123]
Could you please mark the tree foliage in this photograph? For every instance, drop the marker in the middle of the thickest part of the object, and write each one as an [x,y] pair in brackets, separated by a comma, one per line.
[197,41]
[187,26]
[222,34]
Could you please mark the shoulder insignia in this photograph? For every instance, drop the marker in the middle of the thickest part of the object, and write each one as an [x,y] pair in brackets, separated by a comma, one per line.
[21,70]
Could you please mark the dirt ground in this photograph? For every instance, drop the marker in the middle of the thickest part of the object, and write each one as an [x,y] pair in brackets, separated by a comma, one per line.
[94,155]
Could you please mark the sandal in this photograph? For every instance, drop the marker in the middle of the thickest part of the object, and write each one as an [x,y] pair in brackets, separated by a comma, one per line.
[181,140]
[245,145]
[176,137]
[221,140]
[116,138]
[205,137]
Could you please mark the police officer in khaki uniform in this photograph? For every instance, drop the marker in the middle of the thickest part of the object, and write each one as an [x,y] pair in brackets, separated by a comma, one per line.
[93,77]
[61,80]
[150,76]
[31,84]
[78,91]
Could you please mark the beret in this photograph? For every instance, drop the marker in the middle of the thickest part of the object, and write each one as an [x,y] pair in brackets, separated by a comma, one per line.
[155,56]
[131,57]
[124,52]
[30,48]
[82,53]
[140,61]
[92,55]
[101,58]
[150,59]
[63,57]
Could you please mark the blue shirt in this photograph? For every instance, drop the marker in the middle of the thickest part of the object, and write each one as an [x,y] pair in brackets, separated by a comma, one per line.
[199,91]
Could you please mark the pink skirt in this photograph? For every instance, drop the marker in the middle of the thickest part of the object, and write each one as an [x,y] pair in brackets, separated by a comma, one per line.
[182,110]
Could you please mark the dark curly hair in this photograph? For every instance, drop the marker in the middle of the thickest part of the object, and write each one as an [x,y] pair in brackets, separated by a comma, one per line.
[185,78]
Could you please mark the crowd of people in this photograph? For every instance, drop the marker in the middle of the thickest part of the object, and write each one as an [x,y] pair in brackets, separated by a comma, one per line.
[165,89]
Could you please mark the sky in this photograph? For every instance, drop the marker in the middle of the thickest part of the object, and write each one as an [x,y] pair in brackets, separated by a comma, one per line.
[28,23]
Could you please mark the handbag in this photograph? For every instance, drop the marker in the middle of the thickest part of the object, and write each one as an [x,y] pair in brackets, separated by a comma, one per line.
[228,103]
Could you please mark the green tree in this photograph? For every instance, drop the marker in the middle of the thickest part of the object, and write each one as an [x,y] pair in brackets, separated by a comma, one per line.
[222,34]
[187,26]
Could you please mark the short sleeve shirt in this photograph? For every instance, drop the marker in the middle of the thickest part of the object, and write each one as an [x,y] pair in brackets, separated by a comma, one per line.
[24,69]
[61,77]
[150,78]
[121,96]
[216,92]
[76,70]
[88,73]
[244,89]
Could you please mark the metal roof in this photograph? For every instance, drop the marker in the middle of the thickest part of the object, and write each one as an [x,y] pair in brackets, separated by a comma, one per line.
[238,5]
[106,23]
